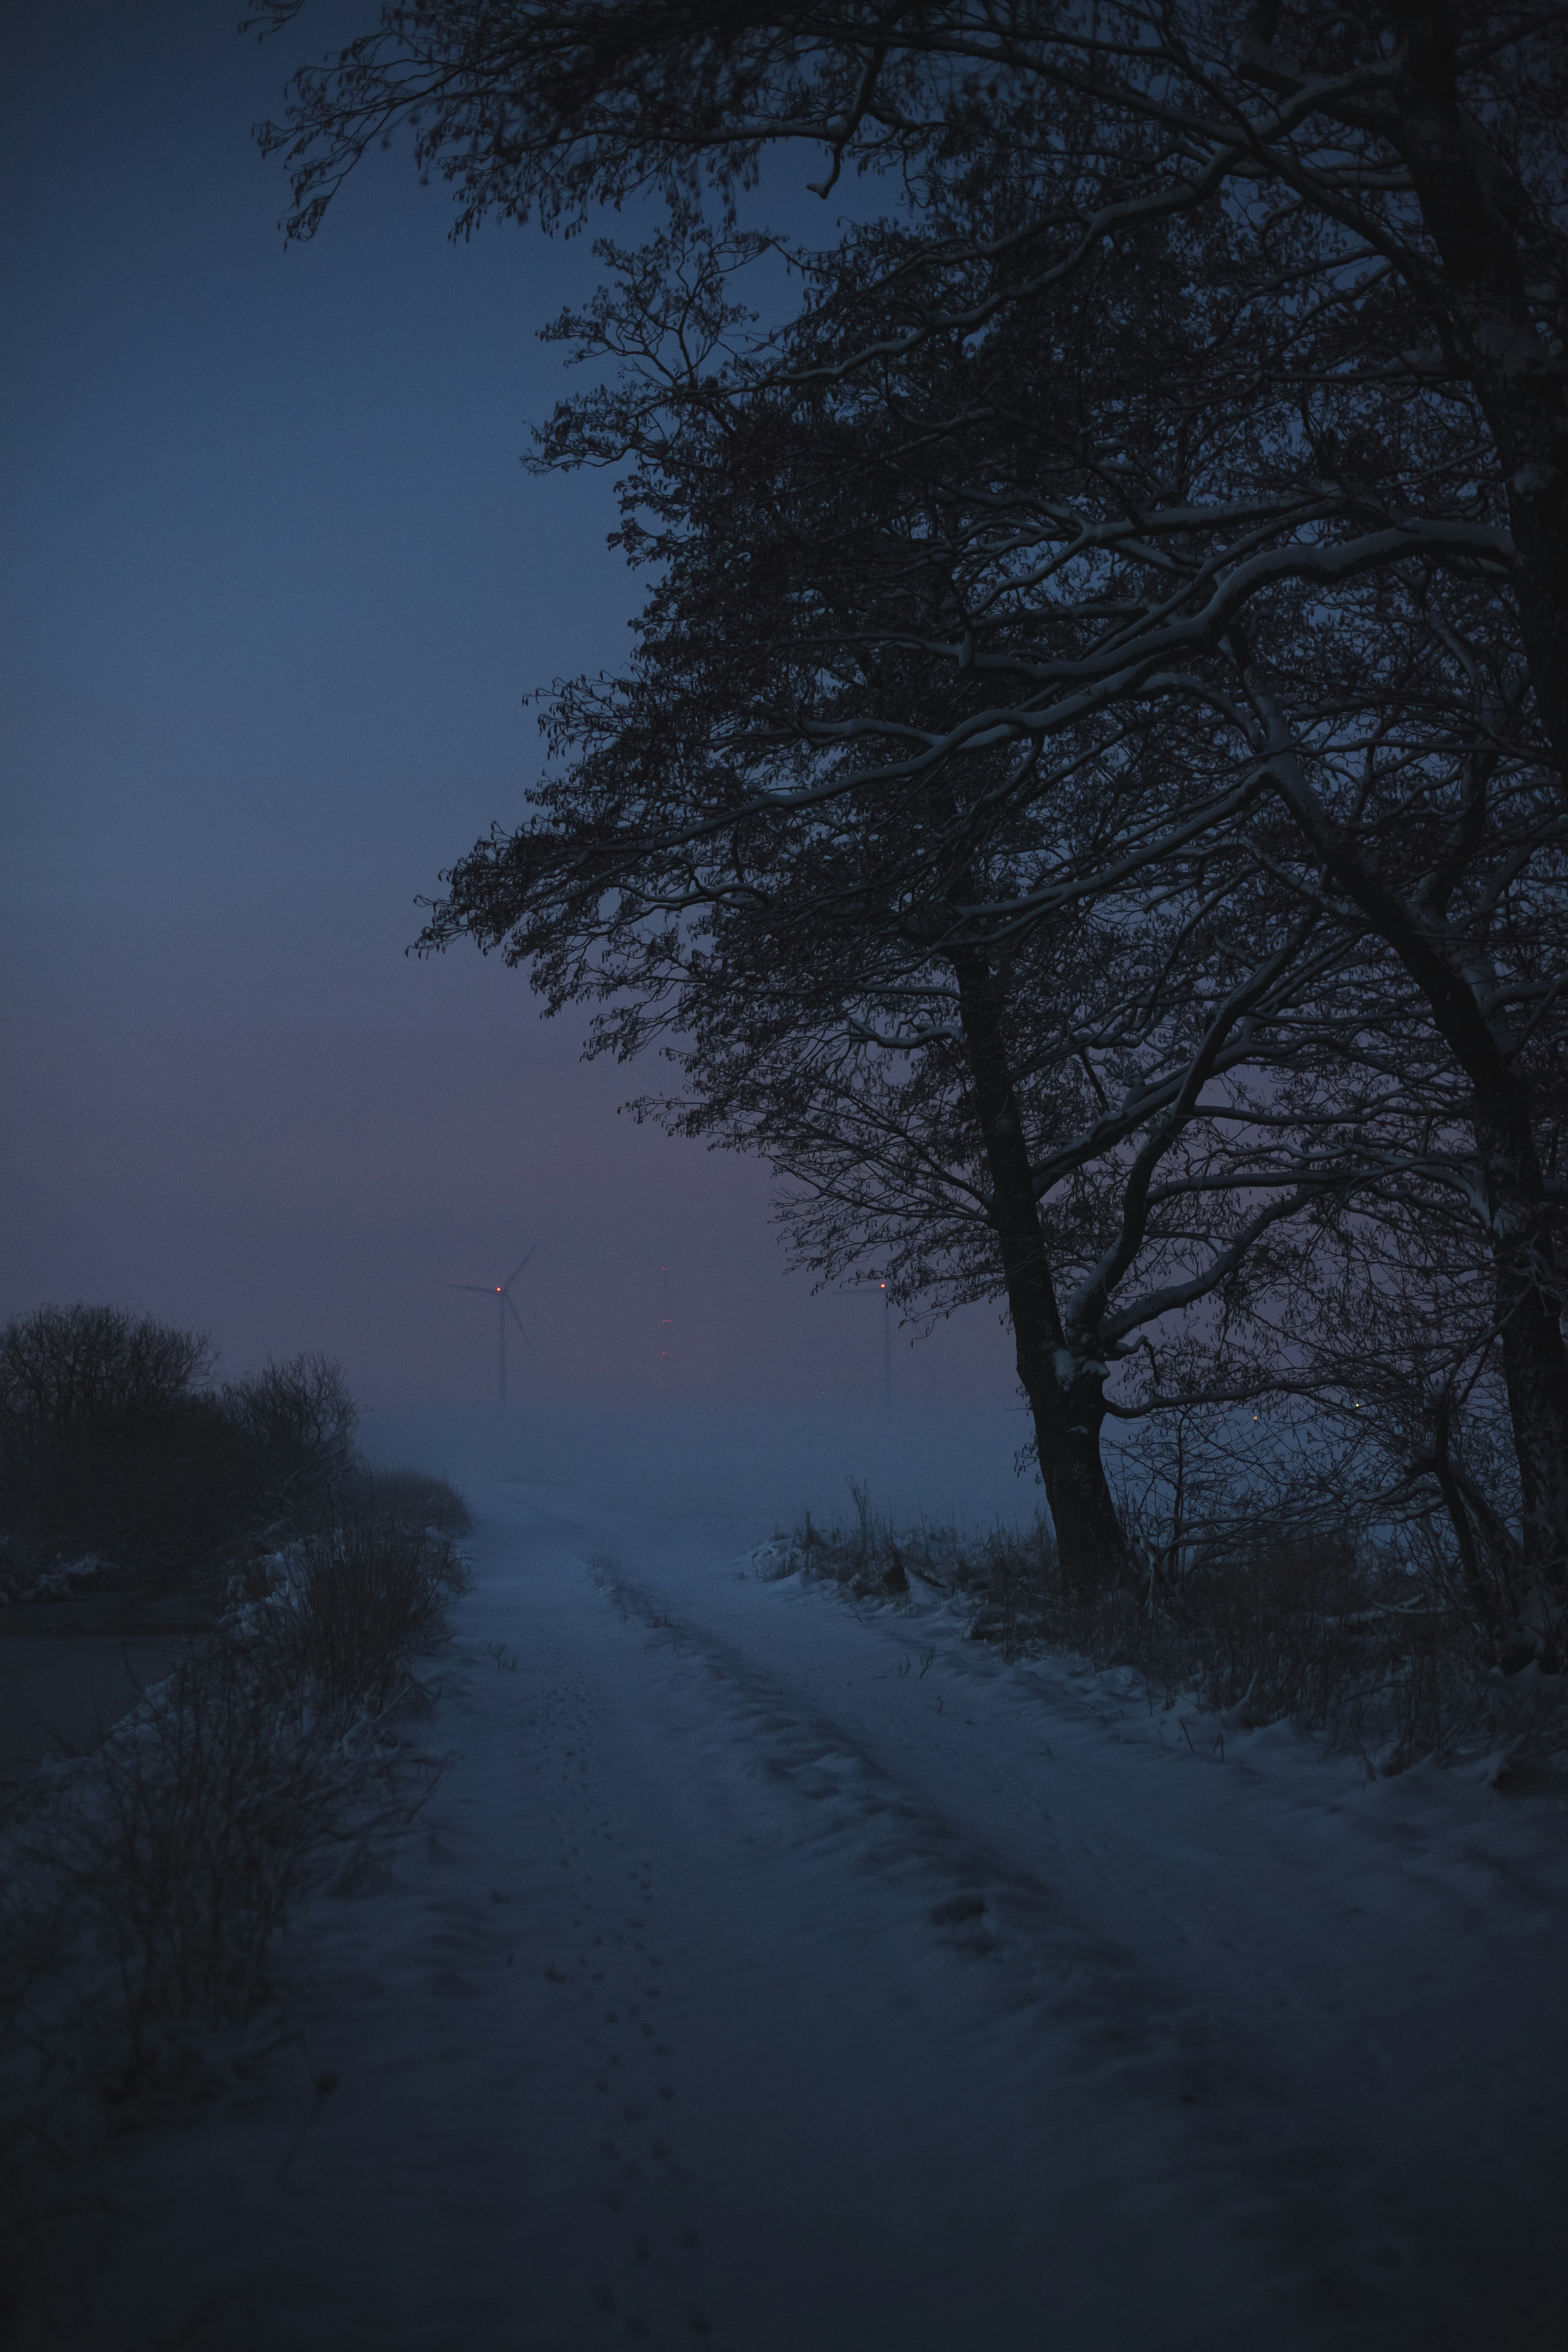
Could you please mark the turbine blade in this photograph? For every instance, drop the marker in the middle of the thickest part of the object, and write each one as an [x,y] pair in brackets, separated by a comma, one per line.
[483,1286]
[516,1317]
[517,1269]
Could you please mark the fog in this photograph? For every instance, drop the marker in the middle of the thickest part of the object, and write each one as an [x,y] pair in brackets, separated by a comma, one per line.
[736,1473]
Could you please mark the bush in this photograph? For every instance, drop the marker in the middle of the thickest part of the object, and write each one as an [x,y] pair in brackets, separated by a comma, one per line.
[359,1600]
[109,1447]
[142,1890]
[1367,1649]
[296,1424]
[68,1371]
[105,1447]
[410,1495]
[189,1843]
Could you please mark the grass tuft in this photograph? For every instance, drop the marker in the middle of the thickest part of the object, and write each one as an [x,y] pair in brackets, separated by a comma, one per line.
[1368,1653]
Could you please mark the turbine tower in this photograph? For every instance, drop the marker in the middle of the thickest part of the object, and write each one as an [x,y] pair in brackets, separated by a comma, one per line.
[502,1293]
[859,1290]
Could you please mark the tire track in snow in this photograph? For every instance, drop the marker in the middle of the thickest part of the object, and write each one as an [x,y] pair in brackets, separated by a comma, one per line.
[894,2118]
[1331,2258]
[978,1906]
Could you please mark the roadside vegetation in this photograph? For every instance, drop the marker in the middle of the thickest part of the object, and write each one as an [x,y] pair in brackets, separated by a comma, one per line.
[123,1463]
[145,1886]
[1373,1648]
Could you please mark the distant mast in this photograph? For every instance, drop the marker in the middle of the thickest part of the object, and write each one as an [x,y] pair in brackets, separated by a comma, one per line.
[858,1290]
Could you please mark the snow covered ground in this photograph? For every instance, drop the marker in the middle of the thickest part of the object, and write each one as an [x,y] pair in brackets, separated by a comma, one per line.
[768,1977]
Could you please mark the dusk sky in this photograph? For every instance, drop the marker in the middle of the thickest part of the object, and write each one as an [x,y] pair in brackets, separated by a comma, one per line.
[276,585]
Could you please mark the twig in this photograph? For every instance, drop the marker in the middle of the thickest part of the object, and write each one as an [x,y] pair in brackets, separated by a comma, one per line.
[326,2084]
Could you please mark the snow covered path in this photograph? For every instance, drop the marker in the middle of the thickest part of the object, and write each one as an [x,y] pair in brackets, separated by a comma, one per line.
[759,1980]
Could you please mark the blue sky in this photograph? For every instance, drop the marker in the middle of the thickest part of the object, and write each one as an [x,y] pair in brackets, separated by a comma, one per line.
[276,583]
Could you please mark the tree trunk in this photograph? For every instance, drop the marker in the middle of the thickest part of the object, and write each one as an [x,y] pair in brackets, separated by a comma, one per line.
[1476,212]
[1535,1361]
[1068,1411]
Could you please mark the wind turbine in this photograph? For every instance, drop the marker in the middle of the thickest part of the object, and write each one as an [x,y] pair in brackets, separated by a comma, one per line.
[859,1290]
[502,1293]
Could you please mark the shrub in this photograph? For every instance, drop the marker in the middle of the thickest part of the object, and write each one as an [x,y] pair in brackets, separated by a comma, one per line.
[411,1495]
[360,1599]
[1362,1646]
[109,1447]
[68,1369]
[105,1446]
[142,1892]
[295,1423]
[189,1843]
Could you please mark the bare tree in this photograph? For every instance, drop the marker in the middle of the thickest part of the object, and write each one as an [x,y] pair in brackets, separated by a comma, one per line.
[1178,476]
[729,860]
[865,592]
[1390,184]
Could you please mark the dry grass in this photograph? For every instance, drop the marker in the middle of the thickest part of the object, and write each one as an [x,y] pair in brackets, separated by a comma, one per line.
[1367,1651]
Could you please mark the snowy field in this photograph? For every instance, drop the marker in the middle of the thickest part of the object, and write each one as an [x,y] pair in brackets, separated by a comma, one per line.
[765,1977]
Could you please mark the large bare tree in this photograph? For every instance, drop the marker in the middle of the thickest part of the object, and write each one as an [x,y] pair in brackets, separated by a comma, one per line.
[1391,181]
[875,742]
[1167,481]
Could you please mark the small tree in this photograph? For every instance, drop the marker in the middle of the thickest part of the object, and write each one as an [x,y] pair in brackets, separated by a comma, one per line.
[106,1443]
[109,1444]
[297,1423]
